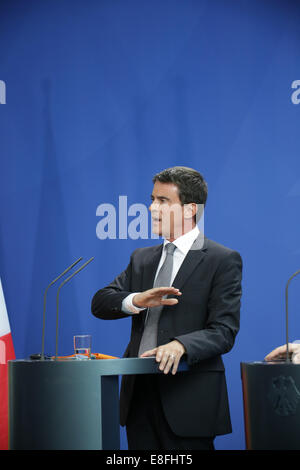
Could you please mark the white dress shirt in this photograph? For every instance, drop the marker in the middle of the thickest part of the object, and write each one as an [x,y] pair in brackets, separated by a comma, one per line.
[183,245]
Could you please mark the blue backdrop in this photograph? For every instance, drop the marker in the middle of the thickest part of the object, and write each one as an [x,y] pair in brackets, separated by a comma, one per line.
[101,95]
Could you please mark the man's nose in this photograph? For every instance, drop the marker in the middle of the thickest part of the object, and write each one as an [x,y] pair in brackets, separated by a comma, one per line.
[154,206]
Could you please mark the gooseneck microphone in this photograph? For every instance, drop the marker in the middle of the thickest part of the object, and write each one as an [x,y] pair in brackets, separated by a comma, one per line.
[45,298]
[57,299]
[287,314]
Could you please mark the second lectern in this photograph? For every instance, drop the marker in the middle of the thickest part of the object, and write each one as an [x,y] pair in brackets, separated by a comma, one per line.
[271,392]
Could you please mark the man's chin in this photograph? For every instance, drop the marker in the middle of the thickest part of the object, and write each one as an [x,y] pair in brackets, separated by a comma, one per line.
[161,233]
[159,229]
[156,231]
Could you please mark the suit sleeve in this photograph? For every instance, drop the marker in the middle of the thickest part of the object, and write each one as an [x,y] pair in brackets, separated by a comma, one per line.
[223,318]
[107,302]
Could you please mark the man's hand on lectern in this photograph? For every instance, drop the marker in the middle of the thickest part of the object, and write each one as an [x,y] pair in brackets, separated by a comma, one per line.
[168,355]
[280,353]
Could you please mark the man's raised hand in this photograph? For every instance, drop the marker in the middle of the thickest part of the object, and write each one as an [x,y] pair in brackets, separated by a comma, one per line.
[155,297]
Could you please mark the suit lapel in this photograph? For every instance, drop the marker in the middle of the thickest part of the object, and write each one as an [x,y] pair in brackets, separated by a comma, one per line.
[195,256]
[151,263]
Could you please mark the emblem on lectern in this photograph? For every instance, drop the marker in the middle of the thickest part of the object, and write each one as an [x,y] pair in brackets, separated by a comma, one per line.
[284,395]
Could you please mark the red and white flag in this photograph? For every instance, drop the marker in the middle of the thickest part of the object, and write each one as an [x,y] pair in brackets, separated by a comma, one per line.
[6,353]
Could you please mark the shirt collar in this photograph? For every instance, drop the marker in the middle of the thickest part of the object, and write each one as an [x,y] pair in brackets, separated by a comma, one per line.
[184,242]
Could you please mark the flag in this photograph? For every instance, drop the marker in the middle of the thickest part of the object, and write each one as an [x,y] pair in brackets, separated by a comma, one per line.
[6,353]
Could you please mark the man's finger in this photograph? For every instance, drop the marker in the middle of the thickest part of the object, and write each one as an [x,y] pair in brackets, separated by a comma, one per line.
[169,301]
[169,363]
[151,352]
[163,359]
[175,365]
[275,353]
[165,291]
[296,358]
[280,352]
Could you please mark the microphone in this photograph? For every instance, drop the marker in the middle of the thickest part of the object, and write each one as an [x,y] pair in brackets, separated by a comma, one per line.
[287,314]
[57,299]
[44,308]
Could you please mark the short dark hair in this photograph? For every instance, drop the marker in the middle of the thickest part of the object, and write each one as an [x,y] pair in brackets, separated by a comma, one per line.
[191,185]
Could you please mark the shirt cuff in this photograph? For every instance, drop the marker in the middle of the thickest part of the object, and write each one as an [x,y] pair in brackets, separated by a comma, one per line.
[127,305]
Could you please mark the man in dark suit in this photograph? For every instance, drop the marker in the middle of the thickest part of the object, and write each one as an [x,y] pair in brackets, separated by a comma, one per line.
[192,312]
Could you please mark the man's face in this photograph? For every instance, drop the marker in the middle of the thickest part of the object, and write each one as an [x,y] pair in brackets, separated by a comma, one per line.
[170,218]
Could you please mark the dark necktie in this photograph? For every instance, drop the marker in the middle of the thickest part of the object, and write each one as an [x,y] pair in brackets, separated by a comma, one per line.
[163,279]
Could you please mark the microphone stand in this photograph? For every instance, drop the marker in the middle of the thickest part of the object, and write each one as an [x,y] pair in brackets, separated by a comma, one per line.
[287,315]
[57,299]
[44,308]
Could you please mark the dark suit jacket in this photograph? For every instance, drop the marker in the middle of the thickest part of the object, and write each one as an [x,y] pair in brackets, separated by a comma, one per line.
[205,321]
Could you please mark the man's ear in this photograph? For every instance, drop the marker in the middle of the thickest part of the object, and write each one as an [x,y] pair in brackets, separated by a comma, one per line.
[190,210]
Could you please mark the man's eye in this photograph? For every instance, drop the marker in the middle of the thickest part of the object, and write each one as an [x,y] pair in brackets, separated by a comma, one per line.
[161,200]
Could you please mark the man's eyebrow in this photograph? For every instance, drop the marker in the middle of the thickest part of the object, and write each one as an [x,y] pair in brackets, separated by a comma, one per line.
[160,197]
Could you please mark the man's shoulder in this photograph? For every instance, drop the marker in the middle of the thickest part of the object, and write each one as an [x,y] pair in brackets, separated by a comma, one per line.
[217,249]
[147,251]
[210,246]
